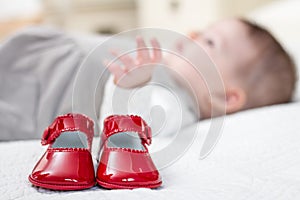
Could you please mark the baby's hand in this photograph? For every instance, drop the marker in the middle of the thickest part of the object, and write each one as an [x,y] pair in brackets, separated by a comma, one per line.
[137,71]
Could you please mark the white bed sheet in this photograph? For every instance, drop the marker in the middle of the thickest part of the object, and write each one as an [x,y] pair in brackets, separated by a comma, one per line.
[257,157]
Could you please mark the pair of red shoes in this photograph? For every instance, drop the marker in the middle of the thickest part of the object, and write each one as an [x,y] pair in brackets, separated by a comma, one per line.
[124,158]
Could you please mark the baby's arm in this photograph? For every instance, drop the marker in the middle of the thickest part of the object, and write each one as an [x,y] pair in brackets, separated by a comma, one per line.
[135,72]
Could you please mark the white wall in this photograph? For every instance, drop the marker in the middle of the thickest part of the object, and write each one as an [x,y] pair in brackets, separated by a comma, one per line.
[91,15]
[282,18]
[187,15]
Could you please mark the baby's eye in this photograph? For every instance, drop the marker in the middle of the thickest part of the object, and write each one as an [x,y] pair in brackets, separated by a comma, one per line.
[209,42]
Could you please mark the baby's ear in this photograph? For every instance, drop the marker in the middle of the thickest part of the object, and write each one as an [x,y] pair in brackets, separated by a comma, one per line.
[235,99]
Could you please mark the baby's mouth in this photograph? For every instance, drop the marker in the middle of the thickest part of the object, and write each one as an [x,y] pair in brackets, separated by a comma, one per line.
[179,46]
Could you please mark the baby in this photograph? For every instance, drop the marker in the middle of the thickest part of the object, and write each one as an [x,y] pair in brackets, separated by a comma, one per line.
[255,68]
[38,68]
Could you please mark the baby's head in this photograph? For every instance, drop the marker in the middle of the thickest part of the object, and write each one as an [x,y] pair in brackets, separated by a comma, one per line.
[255,68]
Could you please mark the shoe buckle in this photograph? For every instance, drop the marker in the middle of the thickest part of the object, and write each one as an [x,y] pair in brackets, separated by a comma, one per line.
[147,135]
[46,135]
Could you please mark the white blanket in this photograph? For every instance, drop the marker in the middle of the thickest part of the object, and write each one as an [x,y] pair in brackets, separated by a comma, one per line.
[257,157]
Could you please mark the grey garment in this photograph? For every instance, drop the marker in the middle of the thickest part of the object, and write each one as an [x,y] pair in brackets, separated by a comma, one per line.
[37,70]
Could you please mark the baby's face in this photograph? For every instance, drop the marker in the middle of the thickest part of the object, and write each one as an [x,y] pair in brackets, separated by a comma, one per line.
[228,45]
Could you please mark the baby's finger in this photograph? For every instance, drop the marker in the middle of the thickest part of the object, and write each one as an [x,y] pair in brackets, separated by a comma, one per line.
[142,52]
[157,54]
[126,60]
[114,68]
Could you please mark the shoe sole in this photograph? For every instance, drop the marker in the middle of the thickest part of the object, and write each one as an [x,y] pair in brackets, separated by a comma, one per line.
[61,186]
[118,186]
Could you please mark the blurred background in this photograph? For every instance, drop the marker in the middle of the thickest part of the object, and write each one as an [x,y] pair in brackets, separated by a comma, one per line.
[112,16]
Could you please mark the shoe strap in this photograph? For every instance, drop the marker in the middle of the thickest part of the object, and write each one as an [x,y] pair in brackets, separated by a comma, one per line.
[69,122]
[124,123]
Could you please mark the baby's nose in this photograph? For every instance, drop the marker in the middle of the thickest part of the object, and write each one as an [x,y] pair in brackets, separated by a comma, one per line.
[194,35]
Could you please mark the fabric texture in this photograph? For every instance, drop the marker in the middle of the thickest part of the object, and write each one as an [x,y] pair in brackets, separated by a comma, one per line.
[38,67]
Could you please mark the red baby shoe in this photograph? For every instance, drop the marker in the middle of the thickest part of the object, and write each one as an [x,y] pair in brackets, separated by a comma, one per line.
[125,162]
[67,164]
